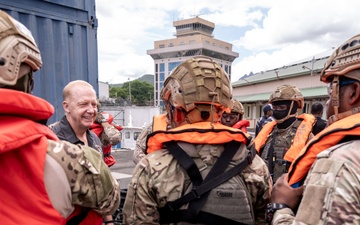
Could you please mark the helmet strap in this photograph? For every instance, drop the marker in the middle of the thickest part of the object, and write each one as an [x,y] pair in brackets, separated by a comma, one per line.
[289,115]
[334,98]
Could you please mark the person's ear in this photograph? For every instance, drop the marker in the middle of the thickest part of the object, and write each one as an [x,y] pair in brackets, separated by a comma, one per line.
[354,93]
[65,106]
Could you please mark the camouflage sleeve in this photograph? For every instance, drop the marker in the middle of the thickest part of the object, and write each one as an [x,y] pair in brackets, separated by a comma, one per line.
[53,124]
[331,190]
[110,135]
[140,148]
[91,182]
[259,182]
[140,206]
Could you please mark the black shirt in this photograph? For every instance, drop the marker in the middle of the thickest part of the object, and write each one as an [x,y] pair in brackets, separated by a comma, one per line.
[319,126]
[65,132]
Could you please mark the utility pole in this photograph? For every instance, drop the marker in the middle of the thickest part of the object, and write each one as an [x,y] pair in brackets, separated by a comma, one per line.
[150,99]
[129,90]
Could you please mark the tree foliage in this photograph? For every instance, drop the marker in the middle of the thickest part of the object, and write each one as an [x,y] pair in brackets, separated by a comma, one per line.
[142,93]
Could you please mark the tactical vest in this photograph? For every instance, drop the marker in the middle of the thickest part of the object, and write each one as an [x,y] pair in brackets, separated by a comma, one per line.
[330,136]
[281,151]
[226,203]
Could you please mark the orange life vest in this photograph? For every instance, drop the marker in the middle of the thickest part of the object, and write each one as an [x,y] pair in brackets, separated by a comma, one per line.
[23,147]
[330,136]
[301,136]
[242,125]
[197,133]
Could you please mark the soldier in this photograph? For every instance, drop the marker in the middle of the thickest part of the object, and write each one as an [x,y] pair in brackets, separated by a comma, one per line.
[235,117]
[181,183]
[43,180]
[330,194]
[280,141]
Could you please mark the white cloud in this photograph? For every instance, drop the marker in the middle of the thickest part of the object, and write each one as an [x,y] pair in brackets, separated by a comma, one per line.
[273,33]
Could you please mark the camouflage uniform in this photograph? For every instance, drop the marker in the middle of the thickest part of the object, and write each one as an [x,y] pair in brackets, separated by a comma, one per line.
[110,135]
[331,190]
[284,140]
[91,183]
[158,178]
[140,148]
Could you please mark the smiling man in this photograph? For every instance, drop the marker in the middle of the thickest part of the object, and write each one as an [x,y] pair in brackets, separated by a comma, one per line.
[80,106]
[80,112]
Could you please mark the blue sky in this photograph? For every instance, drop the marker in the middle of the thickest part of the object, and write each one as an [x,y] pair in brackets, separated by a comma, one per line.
[266,33]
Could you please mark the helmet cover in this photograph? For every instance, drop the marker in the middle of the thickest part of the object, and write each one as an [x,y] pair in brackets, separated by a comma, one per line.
[17,46]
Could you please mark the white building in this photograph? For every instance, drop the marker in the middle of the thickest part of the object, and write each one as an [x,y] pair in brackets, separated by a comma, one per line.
[193,37]
[103,91]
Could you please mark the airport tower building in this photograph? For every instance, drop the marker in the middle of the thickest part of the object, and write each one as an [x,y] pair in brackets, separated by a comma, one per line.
[193,37]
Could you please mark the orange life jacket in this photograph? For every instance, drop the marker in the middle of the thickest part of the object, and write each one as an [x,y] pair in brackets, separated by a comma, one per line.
[23,147]
[242,125]
[197,133]
[330,136]
[301,136]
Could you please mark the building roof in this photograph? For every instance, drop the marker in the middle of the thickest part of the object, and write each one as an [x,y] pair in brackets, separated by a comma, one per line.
[307,93]
[313,64]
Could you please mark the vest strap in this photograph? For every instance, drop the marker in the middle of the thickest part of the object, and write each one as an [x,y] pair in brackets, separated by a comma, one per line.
[170,213]
[185,161]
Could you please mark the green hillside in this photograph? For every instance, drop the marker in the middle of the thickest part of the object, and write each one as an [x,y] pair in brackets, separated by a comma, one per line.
[149,78]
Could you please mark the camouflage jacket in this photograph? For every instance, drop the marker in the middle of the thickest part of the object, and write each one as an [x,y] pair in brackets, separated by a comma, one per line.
[331,189]
[140,147]
[107,132]
[91,183]
[159,178]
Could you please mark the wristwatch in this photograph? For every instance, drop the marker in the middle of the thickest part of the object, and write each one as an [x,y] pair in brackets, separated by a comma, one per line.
[271,209]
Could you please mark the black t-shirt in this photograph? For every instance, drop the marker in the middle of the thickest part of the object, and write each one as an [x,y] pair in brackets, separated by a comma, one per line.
[319,126]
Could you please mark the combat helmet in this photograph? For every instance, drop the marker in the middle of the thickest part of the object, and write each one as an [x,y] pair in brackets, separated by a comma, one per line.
[287,92]
[290,93]
[198,80]
[342,63]
[343,60]
[195,82]
[17,46]
[237,107]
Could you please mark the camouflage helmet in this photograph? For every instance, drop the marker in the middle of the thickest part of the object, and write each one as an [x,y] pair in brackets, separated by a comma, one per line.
[198,80]
[343,60]
[287,92]
[237,107]
[17,46]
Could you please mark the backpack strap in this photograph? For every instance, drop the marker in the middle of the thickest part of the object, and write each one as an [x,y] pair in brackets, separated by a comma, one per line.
[197,197]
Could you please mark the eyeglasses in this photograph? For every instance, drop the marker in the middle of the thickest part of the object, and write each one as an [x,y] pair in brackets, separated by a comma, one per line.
[231,116]
[279,107]
[342,83]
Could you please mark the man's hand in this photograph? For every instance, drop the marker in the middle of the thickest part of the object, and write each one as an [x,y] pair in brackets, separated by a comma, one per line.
[284,194]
